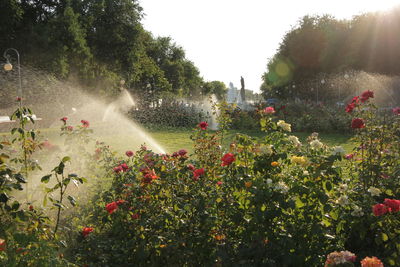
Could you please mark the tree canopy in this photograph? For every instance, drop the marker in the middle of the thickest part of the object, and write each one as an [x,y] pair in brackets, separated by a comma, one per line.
[322,45]
[99,43]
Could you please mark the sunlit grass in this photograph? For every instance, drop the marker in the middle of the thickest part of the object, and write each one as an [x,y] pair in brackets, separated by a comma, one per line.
[173,139]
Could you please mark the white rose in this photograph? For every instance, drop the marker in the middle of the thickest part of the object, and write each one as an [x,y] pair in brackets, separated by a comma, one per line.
[285,126]
[357,211]
[316,144]
[294,140]
[338,150]
[374,191]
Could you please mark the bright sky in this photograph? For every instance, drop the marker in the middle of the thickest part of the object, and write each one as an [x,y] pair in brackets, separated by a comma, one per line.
[227,39]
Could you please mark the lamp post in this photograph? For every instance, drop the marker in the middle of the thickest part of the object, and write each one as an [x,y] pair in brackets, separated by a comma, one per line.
[8,67]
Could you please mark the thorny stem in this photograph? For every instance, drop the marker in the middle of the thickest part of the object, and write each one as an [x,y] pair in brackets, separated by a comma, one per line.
[60,202]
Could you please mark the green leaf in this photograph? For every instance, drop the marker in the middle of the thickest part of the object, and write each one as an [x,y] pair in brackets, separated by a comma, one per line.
[4,197]
[15,205]
[299,203]
[58,205]
[20,178]
[60,168]
[72,200]
[328,186]
[45,179]
[65,159]
[66,181]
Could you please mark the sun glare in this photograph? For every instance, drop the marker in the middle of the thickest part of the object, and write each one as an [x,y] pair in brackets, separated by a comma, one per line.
[371,6]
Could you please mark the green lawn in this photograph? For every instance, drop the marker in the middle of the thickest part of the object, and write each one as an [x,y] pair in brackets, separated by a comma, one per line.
[173,139]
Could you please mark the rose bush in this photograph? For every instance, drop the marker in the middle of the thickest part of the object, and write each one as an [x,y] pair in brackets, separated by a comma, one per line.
[273,201]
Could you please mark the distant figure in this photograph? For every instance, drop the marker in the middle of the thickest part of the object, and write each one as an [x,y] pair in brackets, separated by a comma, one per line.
[242,92]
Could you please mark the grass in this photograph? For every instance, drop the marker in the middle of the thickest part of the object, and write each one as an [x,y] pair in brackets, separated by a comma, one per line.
[173,139]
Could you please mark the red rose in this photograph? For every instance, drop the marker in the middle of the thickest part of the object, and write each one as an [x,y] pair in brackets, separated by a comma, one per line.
[31,208]
[227,159]
[357,123]
[379,209]
[269,110]
[18,99]
[175,154]
[197,173]
[148,175]
[111,207]
[392,204]
[355,100]
[203,125]
[85,123]
[124,167]
[396,111]
[350,107]
[182,152]
[64,119]
[118,169]
[129,153]
[366,95]
[219,183]
[86,231]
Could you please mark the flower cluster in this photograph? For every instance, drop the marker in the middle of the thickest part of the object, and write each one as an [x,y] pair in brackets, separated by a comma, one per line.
[121,168]
[338,258]
[197,173]
[181,153]
[357,99]
[294,140]
[149,175]
[389,205]
[285,126]
[85,123]
[371,262]
[299,160]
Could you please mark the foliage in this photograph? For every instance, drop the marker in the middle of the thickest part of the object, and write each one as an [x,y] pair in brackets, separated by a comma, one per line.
[367,42]
[306,116]
[98,44]
[170,114]
[273,202]
[25,234]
